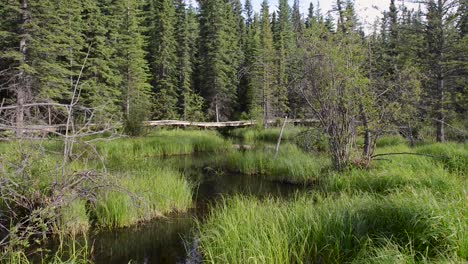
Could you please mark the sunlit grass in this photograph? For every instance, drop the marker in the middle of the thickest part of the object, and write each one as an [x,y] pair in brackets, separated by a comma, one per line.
[268,135]
[335,229]
[291,164]
[165,143]
[143,194]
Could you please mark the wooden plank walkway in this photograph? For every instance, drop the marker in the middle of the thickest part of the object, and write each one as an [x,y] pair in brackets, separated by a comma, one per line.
[164,123]
[245,123]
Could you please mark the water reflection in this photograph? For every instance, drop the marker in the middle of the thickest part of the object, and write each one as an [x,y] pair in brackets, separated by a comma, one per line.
[168,240]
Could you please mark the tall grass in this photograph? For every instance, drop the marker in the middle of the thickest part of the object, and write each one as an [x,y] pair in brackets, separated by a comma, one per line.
[144,193]
[405,209]
[341,229]
[166,143]
[397,172]
[291,165]
[452,156]
[269,134]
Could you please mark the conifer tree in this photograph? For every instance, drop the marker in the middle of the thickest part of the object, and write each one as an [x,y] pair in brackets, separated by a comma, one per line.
[219,57]
[283,37]
[440,37]
[15,60]
[297,22]
[56,47]
[163,58]
[266,65]
[190,104]
[102,79]
[248,99]
[248,10]
[311,19]
[329,23]
[130,57]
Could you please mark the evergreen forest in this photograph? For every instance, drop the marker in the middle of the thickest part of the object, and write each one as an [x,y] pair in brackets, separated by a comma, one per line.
[233,131]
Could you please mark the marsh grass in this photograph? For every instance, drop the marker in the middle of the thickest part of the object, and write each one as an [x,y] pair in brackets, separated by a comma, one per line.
[341,229]
[453,156]
[145,193]
[269,135]
[165,143]
[292,164]
[135,188]
[405,209]
[74,218]
[396,172]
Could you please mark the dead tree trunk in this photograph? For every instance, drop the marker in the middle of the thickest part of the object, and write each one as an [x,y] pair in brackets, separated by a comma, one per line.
[23,84]
[367,135]
[440,125]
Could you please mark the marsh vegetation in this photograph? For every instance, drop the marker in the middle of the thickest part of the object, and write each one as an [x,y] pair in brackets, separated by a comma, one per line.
[210,201]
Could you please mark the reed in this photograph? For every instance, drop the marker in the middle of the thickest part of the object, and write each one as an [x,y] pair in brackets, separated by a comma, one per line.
[268,135]
[396,172]
[291,165]
[408,225]
[166,143]
[143,194]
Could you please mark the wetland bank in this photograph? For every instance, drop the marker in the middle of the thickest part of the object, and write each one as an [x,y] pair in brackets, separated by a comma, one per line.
[233,131]
[177,196]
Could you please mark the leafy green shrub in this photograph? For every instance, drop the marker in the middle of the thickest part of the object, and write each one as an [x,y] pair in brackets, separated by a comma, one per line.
[312,140]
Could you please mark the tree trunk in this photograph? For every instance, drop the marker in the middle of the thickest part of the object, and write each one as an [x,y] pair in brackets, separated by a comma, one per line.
[23,80]
[440,123]
[367,137]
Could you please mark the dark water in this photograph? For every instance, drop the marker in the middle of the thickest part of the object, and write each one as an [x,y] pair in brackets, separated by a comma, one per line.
[168,240]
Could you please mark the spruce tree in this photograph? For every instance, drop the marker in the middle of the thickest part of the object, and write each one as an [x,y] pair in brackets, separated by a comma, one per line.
[310,16]
[266,67]
[248,10]
[219,57]
[189,104]
[57,47]
[131,62]
[297,22]
[248,99]
[284,40]
[102,80]
[163,58]
[440,34]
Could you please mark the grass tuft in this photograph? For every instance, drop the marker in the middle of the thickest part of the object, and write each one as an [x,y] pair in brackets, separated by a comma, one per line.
[332,229]
[292,164]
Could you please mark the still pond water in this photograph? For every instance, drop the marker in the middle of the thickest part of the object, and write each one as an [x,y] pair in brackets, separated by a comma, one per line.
[173,239]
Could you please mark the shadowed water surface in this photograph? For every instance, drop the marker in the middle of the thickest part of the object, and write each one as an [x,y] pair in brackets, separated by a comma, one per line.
[168,240]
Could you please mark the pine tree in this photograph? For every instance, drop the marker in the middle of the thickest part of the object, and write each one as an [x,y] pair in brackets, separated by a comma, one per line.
[102,79]
[311,19]
[248,10]
[283,36]
[163,58]
[190,104]
[219,57]
[266,65]
[131,62]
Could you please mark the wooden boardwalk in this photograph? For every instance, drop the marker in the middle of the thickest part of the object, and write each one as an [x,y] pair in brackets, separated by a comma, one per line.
[164,123]
[233,124]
